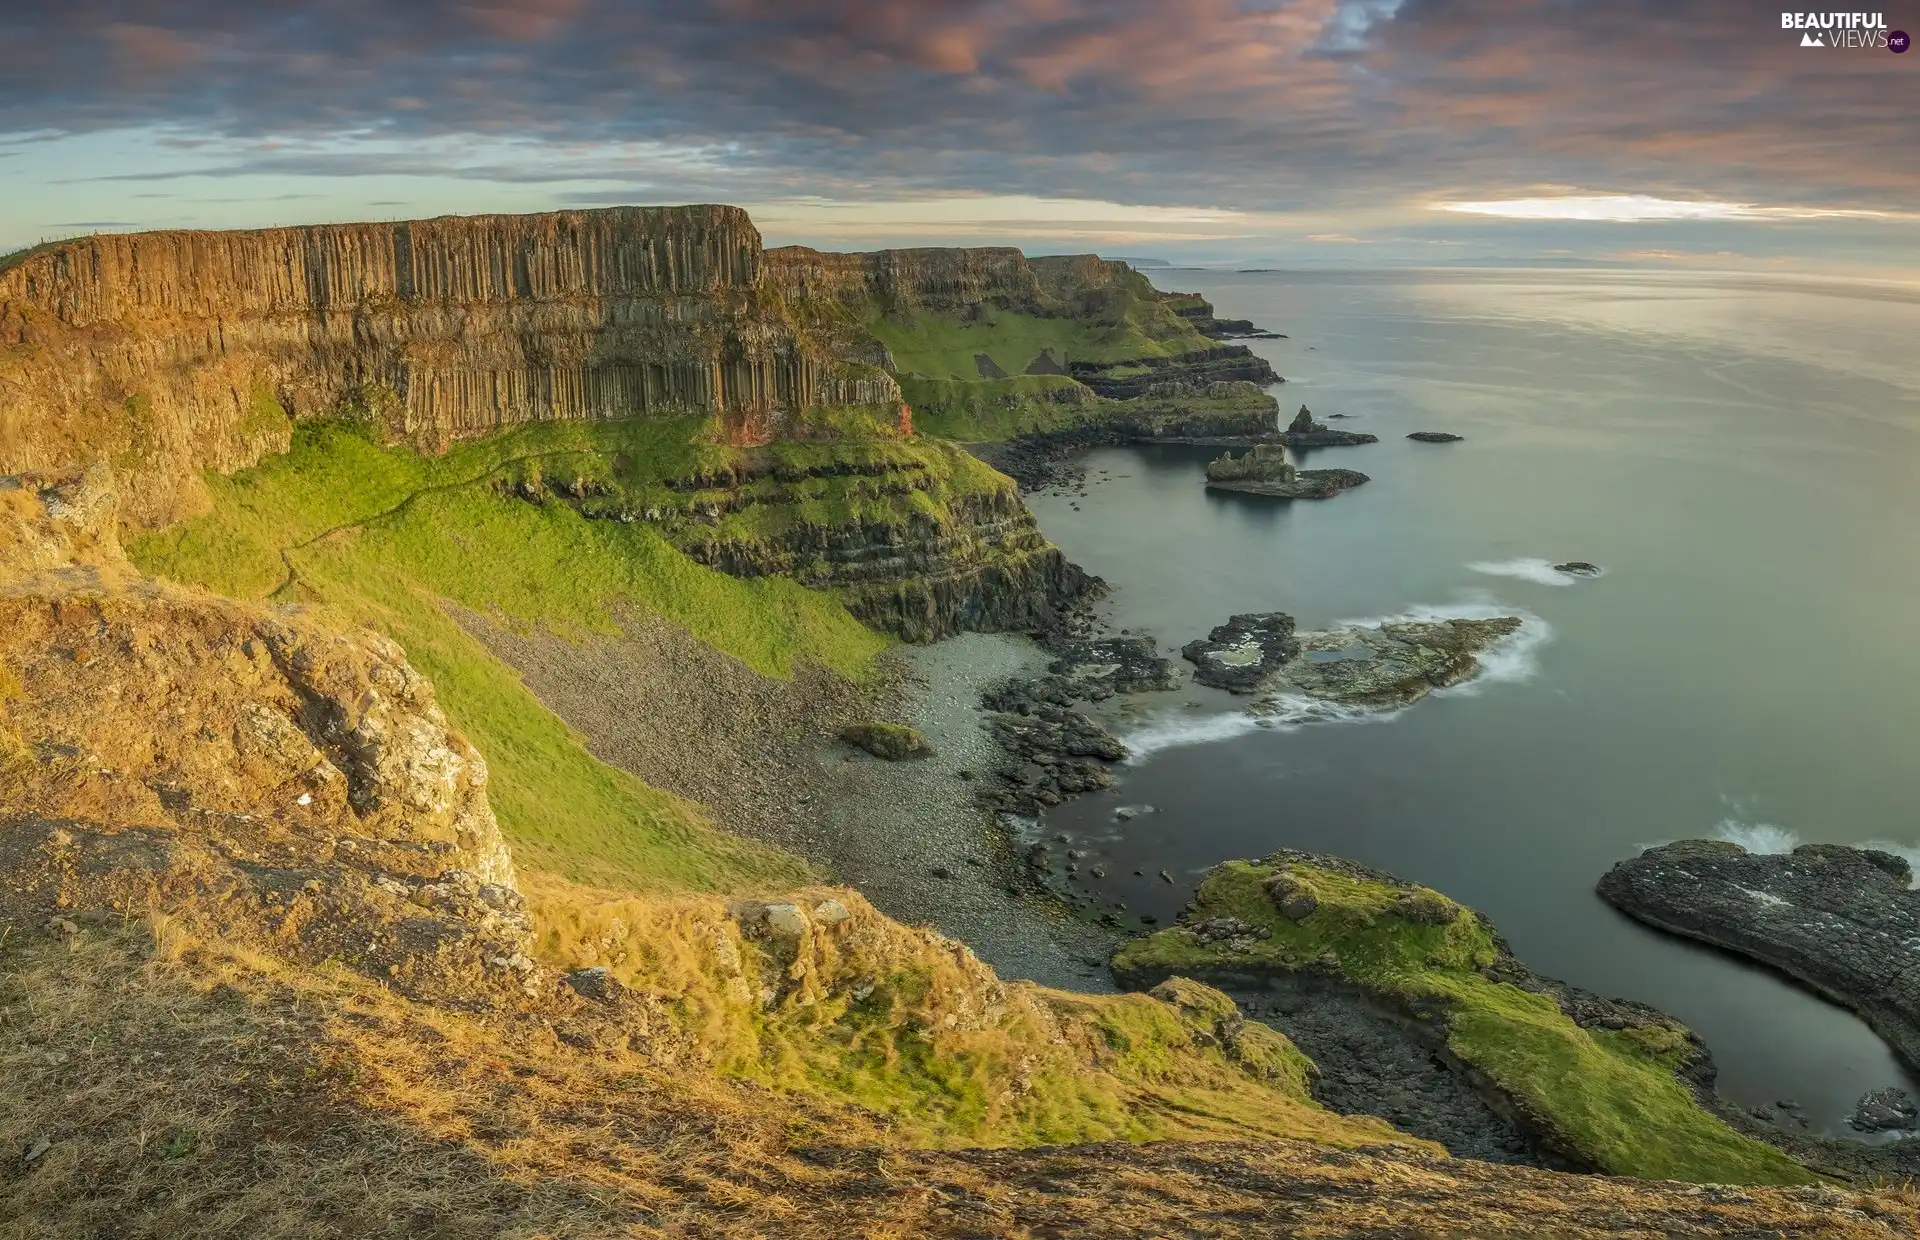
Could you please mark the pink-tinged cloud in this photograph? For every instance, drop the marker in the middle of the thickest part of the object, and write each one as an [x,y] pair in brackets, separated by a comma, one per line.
[1267,104]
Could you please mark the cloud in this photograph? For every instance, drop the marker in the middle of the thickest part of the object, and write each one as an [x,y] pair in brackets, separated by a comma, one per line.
[1258,105]
[1634,208]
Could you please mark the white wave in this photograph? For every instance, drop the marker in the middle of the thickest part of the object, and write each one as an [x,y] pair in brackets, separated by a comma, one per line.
[1529,568]
[1769,837]
[1286,712]
[1756,837]
[1176,733]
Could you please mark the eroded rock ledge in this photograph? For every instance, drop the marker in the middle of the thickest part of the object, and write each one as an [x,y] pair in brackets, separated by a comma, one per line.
[1844,921]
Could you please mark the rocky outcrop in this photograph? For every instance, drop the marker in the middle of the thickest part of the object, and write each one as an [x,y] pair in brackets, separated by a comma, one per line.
[1411,1003]
[171,353]
[1435,437]
[237,766]
[1265,470]
[1844,921]
[1304,432]
[1198,311]
[1239,655]
[1390,665]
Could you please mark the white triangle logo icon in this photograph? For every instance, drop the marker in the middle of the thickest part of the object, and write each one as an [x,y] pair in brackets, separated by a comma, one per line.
[1812,40]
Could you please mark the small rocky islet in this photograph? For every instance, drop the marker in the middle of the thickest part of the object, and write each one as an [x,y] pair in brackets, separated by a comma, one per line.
[1305,432]
[1265,470]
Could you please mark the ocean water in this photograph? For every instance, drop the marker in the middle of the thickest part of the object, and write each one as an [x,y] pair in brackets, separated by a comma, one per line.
[1742,457]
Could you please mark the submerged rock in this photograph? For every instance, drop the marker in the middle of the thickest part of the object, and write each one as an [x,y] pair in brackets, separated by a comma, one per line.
[1304,432]
[1578,568]
[1240,654]
[1436,437]
[1394,664]
[1844,921]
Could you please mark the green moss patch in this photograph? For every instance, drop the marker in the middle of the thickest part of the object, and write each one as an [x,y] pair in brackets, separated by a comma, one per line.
[1612,1096]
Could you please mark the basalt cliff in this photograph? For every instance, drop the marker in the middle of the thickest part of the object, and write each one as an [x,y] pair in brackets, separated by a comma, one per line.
[169,355]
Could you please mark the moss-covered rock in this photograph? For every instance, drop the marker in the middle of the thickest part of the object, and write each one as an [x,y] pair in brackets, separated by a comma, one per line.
[894,742]
[1600,1083]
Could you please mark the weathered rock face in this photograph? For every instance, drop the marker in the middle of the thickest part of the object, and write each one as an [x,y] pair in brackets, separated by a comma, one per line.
[1844,921]
[983,566]
[1219,364]
[170,353]
[239,765]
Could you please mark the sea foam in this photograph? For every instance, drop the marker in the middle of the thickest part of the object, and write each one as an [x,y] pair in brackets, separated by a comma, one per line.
[1529,568]
[1772,838]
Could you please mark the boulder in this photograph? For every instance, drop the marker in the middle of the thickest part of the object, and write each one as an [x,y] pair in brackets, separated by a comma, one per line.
[893,742]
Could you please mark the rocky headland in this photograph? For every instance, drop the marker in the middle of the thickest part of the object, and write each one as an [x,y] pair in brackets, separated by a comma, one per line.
[1356,963]
[1843,921]
[1265,470]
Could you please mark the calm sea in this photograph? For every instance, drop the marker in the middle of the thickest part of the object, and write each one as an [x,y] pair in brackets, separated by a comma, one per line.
[1742,456]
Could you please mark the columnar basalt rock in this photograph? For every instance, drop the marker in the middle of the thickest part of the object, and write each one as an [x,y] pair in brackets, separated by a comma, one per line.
[169,353]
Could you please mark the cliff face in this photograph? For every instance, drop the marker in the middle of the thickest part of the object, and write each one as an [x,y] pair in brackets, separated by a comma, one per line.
[169,353]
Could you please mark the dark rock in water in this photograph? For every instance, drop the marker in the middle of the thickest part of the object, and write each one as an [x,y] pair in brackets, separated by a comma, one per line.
[1054,751]
[1304,432]
[1101,667]
[1392,665]
[1436,437]
[1238,655]
[1885,1110]
[1844,921]
[1265,470]
[1578,568]
[892,741]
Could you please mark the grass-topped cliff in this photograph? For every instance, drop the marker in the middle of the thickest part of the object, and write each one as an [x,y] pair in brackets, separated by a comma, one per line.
[1608,1096]
[989,344]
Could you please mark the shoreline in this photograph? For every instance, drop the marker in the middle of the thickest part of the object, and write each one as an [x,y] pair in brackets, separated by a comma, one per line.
[914,838]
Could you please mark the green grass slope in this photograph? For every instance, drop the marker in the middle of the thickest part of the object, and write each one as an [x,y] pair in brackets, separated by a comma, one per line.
[1612,1095]
[381,535]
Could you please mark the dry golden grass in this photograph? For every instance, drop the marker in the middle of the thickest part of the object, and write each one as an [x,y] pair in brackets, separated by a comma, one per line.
[190,1090]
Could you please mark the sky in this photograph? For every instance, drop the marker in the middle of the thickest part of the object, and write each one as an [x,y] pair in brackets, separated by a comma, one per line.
[1665,133]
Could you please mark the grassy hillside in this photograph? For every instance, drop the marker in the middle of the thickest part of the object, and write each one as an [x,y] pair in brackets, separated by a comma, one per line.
[1612,1094]
[379,535]
[944,347]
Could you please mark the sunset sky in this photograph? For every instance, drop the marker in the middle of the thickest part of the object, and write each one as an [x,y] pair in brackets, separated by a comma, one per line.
[1670,133]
